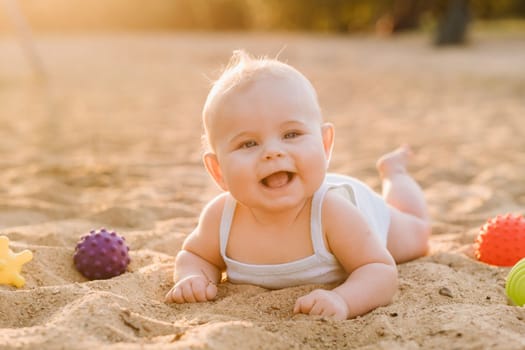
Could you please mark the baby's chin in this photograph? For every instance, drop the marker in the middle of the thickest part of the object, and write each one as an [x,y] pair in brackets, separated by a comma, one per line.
[282,205]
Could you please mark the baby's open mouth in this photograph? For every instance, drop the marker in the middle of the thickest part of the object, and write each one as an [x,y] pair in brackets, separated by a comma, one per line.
[277,179]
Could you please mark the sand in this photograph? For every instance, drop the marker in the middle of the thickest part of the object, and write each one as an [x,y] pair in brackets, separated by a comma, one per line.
[112,139]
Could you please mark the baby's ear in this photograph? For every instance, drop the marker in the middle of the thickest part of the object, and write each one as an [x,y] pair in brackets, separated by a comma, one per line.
[212,166]
[328,133]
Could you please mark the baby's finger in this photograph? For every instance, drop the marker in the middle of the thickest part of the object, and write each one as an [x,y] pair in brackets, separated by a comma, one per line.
[338,316]
[199,289]
[187,293]
[317,309]
[168,298]
[211,291]
[303,304]
[176,295]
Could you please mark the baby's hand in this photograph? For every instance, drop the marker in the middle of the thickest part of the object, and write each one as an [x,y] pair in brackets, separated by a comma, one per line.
[322,302]
[191,289]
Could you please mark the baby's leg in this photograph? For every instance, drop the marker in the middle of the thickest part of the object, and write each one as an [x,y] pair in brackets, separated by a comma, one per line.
[410,223]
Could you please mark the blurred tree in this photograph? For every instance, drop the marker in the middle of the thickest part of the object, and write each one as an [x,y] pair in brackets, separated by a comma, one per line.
[315,15]
[406,14]
[453,23]
[487,9]
[452,17]
[228,14]
[211,15]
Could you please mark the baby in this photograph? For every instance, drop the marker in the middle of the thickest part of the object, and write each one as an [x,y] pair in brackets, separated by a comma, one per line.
[282,220]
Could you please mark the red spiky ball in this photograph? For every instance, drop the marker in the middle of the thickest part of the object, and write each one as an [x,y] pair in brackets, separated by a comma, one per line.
[101,255]
[501,240]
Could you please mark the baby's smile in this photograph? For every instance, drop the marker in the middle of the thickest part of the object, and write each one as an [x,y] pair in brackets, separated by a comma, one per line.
[278,179]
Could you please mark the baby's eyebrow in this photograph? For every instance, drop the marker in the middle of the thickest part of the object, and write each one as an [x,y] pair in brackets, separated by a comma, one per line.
[240,135]
[293,123]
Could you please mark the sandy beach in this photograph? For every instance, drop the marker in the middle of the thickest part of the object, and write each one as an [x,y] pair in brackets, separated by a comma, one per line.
[111,138]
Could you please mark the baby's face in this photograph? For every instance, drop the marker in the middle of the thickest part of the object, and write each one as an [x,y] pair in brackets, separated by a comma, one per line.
[268,141]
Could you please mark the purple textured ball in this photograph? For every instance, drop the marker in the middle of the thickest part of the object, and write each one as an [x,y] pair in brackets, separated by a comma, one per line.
[101,255]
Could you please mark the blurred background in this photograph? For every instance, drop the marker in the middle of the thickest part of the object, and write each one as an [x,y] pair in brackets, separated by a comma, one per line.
[444,22]
[446,18]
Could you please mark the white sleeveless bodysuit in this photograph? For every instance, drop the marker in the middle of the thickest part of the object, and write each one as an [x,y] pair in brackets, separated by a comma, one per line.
[321,267]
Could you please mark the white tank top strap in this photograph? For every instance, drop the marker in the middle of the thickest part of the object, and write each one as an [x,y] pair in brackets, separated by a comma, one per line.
[316,225]
[226,222]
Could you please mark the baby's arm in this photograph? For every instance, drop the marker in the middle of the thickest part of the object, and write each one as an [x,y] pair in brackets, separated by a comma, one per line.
[373,274]
[198,265]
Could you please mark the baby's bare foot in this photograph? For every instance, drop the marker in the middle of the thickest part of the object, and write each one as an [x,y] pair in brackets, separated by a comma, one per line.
[394,162]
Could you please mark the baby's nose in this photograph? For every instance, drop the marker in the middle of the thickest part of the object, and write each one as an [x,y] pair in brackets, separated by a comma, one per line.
[271,155]
[272,151]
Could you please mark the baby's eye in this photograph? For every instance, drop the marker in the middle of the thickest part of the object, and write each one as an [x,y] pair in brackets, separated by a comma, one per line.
[248,144]
[291,134]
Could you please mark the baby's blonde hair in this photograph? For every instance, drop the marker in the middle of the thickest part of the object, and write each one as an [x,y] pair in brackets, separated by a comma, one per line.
[243,69]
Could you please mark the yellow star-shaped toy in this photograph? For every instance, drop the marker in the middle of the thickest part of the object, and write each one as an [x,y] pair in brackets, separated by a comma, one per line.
[11,264]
